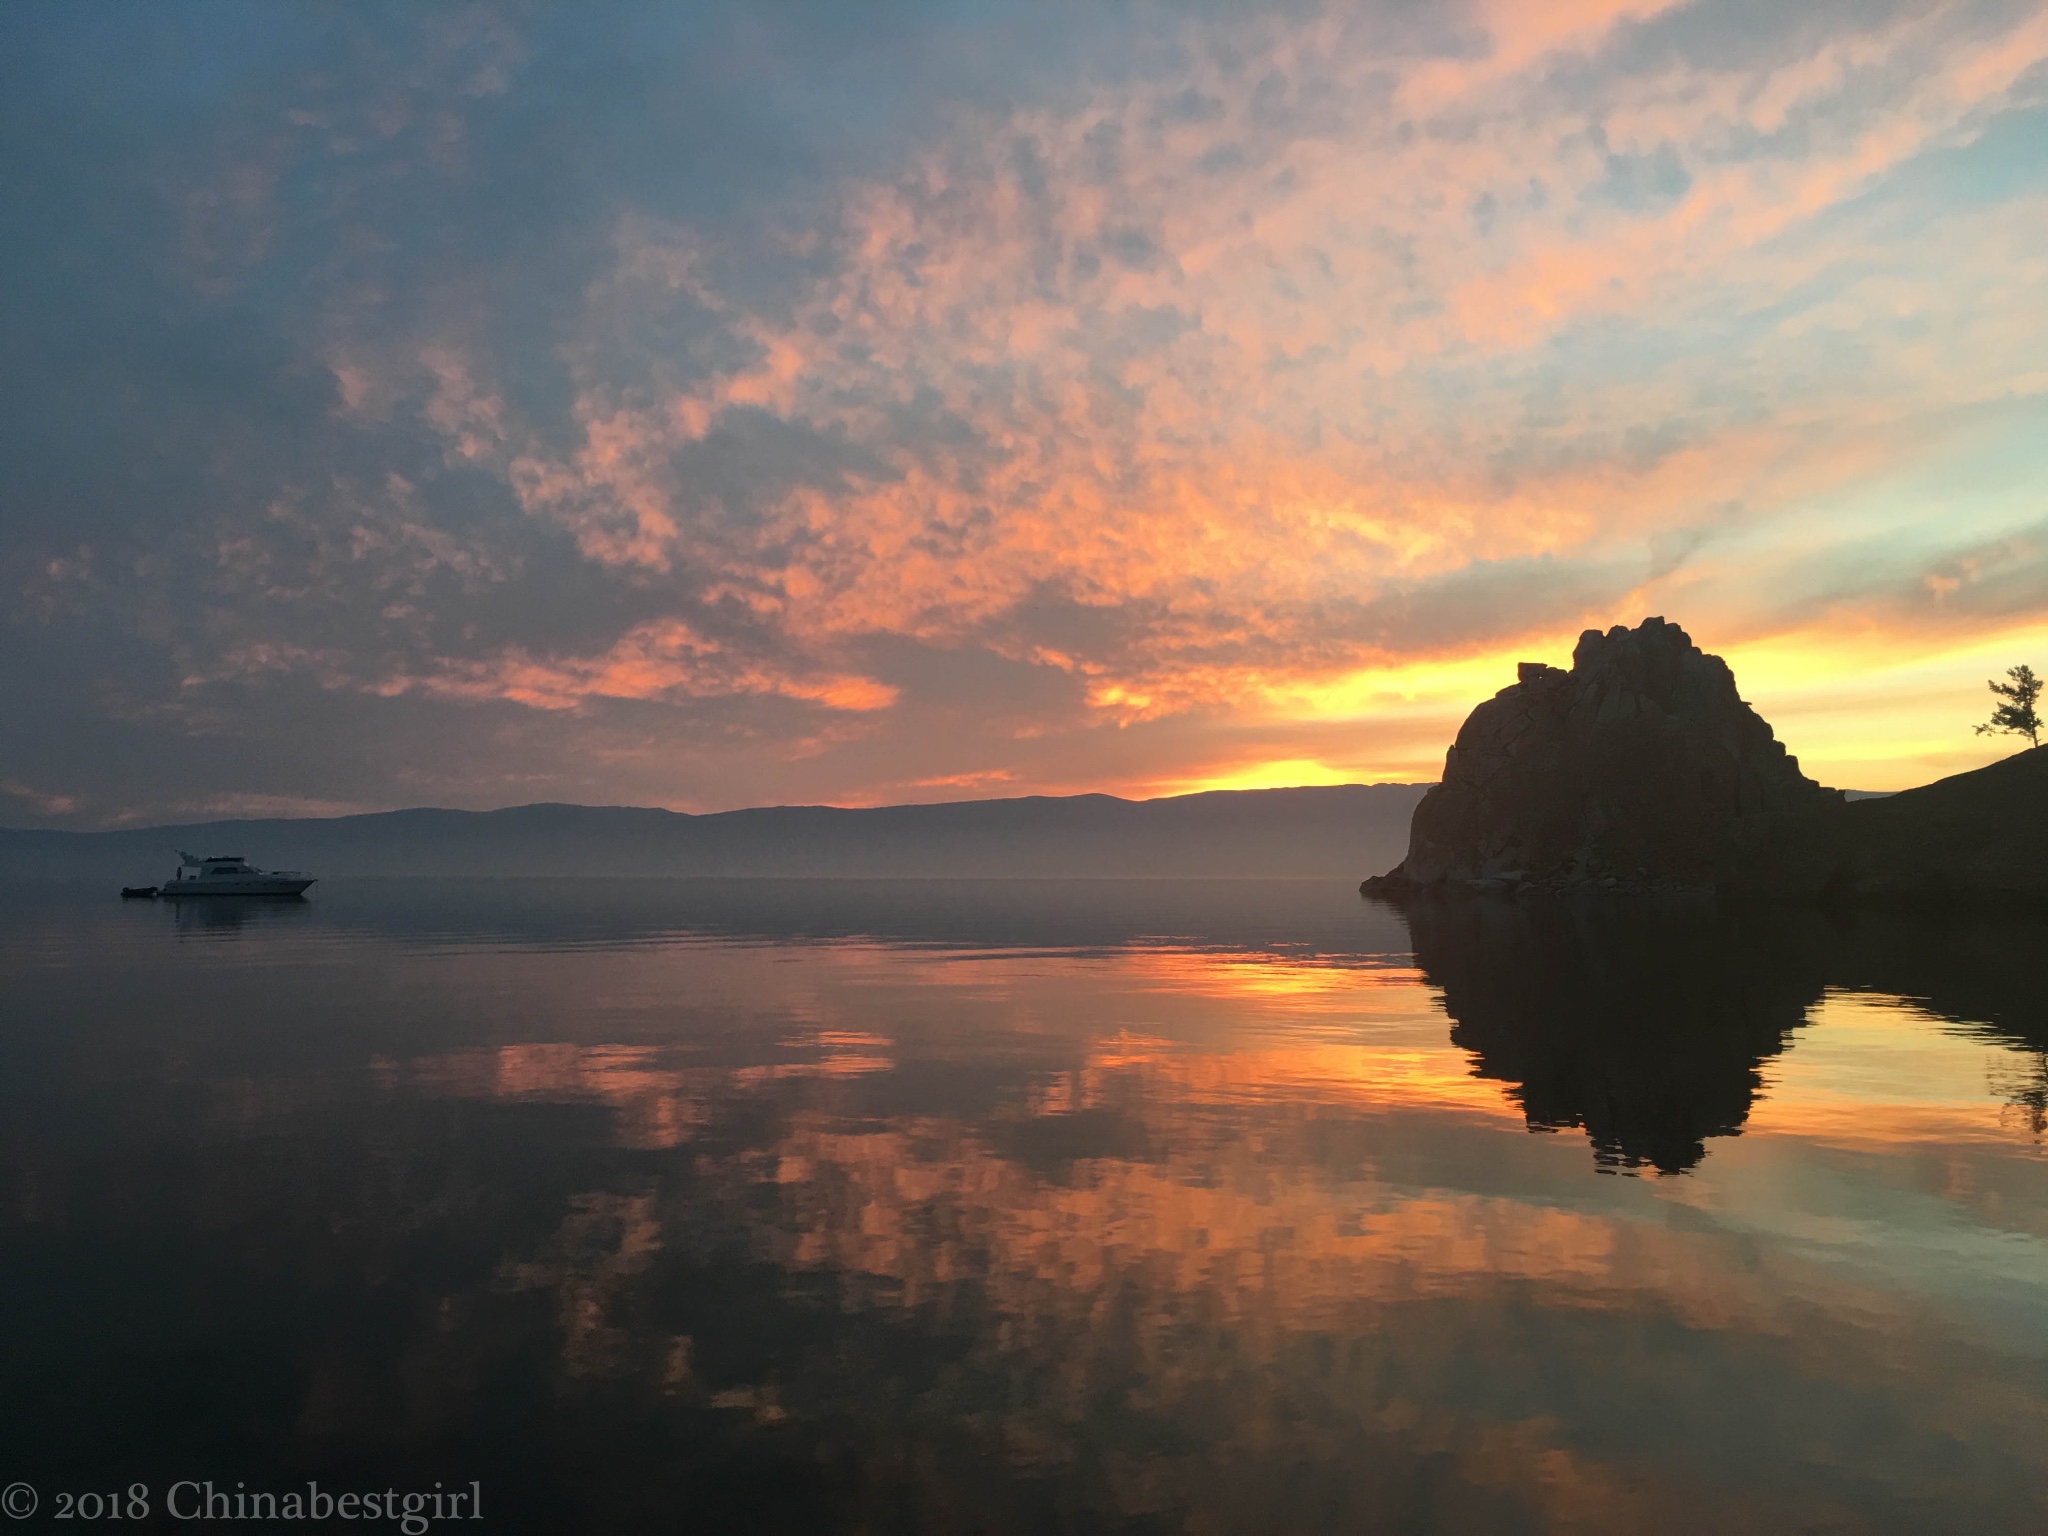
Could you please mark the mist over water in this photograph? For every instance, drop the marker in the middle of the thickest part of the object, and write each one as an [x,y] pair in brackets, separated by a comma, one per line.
[1030,1205]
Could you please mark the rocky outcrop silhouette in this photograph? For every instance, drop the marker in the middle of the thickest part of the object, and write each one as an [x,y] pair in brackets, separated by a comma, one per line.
[1642,770]
[1639,768]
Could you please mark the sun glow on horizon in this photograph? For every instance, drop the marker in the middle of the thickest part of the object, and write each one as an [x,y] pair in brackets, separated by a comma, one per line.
[1284,773]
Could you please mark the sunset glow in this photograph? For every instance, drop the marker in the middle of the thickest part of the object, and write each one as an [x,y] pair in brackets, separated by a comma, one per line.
[1201,399]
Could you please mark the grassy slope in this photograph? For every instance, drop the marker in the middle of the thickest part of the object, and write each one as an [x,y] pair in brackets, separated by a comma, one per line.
[1983,832]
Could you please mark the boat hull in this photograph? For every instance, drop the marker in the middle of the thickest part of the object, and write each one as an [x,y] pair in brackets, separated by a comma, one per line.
[261,885]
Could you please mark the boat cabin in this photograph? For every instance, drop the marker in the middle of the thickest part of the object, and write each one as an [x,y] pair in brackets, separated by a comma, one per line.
[216,866]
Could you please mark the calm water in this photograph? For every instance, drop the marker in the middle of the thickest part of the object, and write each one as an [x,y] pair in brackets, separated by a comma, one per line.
[956,1207]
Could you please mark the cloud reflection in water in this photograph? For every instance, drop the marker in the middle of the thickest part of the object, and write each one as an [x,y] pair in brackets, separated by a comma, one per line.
[1219,1229]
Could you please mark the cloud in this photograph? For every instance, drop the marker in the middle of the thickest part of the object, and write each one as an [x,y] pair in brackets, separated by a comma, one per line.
[1090,356]
[662,660]
[961,400]
[42,804]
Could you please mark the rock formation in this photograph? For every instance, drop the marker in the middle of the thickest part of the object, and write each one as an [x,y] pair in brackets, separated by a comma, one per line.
[1640,768]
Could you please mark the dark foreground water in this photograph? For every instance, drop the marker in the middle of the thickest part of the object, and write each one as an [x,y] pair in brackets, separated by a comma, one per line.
[1029,1207]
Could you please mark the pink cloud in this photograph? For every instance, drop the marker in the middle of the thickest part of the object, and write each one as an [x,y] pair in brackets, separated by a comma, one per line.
[1236,376]
[664,659]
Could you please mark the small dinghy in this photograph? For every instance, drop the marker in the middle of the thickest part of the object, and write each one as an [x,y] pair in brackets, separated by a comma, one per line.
[139,890]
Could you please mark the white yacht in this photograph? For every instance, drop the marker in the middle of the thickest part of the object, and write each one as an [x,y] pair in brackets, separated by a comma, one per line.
[230,875]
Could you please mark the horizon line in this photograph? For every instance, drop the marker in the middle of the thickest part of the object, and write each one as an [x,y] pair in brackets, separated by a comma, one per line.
[741,810]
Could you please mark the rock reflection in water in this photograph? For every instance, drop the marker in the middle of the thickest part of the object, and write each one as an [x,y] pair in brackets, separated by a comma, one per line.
[1644,1022]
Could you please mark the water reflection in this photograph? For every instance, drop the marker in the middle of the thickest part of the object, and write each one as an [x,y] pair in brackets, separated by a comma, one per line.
[1643,1023]
[230,914]
[1189,1221]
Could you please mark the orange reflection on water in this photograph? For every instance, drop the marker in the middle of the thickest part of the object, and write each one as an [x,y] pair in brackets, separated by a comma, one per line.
[1308,981]
[1313,1070]
[1262,1198]
[1239,1222]
[656,1106]
[1871,1071]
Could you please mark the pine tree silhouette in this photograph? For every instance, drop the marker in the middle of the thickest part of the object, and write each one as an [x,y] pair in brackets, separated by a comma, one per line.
[2017,716]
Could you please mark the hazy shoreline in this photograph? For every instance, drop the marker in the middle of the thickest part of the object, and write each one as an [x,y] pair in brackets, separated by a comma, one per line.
[1305,833]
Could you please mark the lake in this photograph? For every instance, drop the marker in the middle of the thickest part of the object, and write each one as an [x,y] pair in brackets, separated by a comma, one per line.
[1027,1206]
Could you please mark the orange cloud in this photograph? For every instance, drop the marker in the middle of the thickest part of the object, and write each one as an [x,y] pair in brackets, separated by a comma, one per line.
[1208,408]
[657,660]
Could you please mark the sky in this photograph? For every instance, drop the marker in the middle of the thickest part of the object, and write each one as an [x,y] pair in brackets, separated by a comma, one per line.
[708,405]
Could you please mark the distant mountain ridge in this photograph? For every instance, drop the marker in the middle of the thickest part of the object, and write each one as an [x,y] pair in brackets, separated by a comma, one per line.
[1323,831]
